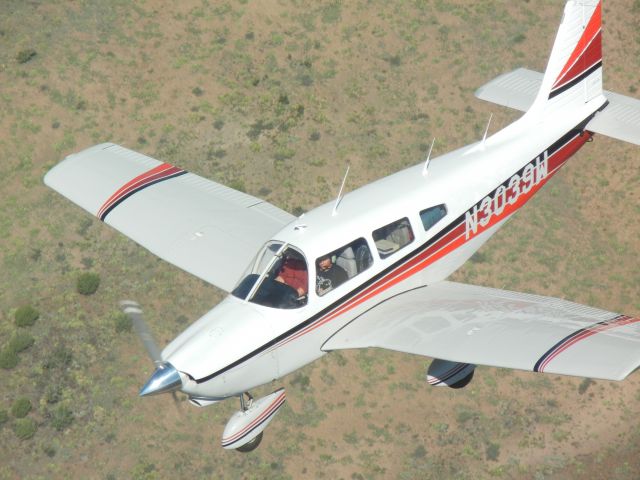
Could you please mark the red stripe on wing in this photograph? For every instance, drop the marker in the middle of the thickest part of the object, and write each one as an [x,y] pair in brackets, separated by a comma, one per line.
[141,180]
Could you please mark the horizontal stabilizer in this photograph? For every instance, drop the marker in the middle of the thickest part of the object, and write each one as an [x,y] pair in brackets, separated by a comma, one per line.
[486,326]
[620,119]
[517,89]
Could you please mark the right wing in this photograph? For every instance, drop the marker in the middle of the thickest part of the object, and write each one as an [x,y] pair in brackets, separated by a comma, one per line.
[205,228]
[620,119]
[486,326]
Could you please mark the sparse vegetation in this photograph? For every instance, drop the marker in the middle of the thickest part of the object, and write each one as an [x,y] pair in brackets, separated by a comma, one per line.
[122,323]
[61,417]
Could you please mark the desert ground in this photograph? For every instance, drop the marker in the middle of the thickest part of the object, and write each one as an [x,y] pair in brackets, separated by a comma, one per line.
[275,98]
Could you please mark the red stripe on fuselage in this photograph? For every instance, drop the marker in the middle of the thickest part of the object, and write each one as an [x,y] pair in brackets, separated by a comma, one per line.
[450,242]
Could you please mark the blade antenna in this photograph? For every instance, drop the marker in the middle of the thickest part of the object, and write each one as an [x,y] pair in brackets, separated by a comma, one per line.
[426,162]
[339,199]
[486,131]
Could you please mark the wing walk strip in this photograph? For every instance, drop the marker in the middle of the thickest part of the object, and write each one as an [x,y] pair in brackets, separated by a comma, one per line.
[443,243]
[268,413]
[155,175]
[578,335]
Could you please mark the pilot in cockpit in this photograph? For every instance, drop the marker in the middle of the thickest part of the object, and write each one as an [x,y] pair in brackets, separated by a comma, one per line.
[294,273]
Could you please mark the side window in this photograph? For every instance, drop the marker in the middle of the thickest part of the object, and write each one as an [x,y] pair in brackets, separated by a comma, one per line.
[391,238]
[432,215]
[338,266]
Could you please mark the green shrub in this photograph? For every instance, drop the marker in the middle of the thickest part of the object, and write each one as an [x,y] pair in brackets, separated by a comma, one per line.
[26,316]
[493,451]
[21,407]
[4,417]
[584,385]
[61,418]
[25,55]
[49,451]
[25,428]
[8,359]
[20,342]
[88,283]
[123,323]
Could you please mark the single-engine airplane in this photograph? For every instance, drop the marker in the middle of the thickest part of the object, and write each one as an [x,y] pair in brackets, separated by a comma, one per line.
[379,255]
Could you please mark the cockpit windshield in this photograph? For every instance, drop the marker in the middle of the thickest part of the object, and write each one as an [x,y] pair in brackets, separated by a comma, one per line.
[277,278]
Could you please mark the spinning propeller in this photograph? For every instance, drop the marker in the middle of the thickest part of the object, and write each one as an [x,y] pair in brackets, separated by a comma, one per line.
[165,378]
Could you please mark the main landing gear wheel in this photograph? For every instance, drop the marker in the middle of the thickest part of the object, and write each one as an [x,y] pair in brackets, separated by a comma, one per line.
[464,382]
[243,431]
[252,445]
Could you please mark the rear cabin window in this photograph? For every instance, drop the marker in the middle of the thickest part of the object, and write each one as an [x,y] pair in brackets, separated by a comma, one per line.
[433,215]
[338,266]
[393,237]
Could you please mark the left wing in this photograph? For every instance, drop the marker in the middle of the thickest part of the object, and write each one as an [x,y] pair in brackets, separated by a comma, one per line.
[205,228]
[486,326]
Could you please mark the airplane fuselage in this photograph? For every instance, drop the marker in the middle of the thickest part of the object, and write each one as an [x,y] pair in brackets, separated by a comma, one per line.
[239,345]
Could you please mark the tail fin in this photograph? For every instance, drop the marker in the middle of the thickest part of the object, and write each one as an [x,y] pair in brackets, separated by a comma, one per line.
[574,73]
[573,79]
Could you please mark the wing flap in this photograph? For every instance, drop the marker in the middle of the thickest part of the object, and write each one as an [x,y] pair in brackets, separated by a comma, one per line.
[485,326]
[205,228]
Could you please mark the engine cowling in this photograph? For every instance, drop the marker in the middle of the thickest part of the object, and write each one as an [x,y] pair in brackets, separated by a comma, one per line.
[443,373]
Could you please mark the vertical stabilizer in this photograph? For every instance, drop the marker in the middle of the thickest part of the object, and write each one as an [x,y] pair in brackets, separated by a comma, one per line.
[574,73]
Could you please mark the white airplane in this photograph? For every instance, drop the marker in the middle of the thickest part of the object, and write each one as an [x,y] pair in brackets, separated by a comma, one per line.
[379,255]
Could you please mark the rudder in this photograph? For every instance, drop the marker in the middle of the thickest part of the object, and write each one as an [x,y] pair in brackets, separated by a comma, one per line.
[574,72]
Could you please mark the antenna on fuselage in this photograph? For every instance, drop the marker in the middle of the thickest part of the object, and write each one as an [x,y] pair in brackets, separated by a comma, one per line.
[339,199]
[484,138]
[426,162]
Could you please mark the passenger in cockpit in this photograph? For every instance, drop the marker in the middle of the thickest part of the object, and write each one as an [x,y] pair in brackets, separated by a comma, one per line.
[329,275]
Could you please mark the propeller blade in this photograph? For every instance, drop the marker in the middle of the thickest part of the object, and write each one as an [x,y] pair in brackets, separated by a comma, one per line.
[134,312]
